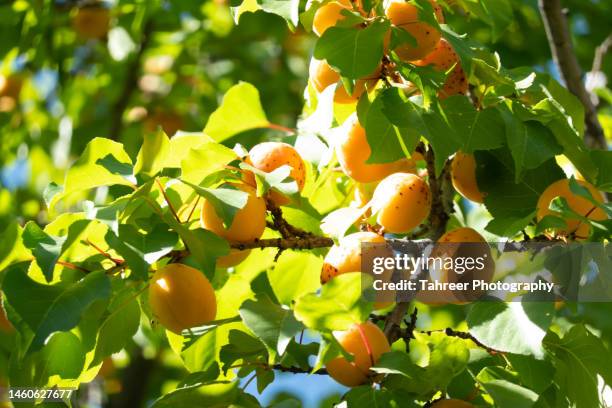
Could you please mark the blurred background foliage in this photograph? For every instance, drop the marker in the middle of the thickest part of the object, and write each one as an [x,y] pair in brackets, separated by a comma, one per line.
[167,63]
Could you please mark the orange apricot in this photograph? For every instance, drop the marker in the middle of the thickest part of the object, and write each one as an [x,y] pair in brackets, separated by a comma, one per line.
[353,151]
[406,16]
[366,343]
[181,297]
[401,201]
[576,228]
[10,86]
[269,156]
[442,58]
[347,255]
[322,75]
[328,15]
[463,175]
[451,403]
[248,224]
[91,22]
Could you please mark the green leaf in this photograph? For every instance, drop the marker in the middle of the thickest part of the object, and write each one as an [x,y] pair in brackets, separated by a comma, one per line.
[496,13]
[118,327]
[534,374]
[278,179]
[579,357]
[206,395]
[510,395]
[64,355]
[511,204]
[152,154]
[356,52]
[398,362]
[102,163]
[388,143]
[240,111]
[226,201]
[47,309]
[204,246]
[295,274]
[287,9]
[240,345]
[475,129]
[11,245]
[339,305]
[141,249]
[512,327]
[272,324]
[603,161]
[530,143]
[365,396]
[204,160]
[45,248]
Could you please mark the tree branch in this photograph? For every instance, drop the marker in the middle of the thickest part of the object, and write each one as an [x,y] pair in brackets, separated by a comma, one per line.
[559,40]
[441,207]
[463,335]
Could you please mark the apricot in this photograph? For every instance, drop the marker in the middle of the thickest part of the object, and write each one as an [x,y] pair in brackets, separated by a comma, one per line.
[91,22]
[463,174]
[451,403]
[576,228]
[406,16]
[401,201]
[366,343]
[181,297]
[234,257]
[248,224]
[170,122]
[322,75]
[269,156]
[328,15]
[346,256]
[442,58]
[353,151]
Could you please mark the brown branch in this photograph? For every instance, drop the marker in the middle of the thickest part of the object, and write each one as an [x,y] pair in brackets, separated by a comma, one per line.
[130,84]
[463,335]
[72,266]
[560,42]
[104,253]
[601,50]
[279,367]
[286,243]
[441,206]
[163,191]
[281,225]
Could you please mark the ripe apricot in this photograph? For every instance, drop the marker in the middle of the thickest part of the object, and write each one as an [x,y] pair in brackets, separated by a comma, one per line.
[366,342]
[561,188]
[346,256]
[170,122]
[442,58]
[269,156]
[328,15]
[463,174]
[406,16]
[91,22]
[401,201]
[248,224]
[353,151]
[452,403]
[181,297]
[234,257]
[322,75]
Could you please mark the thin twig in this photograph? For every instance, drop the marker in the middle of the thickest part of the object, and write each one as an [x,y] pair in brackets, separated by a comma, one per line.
[161,187]
[72,266]
[560,43]
[104,253]
[463,335]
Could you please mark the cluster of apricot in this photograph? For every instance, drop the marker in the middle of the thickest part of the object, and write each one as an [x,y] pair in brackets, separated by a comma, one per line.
[428,49]
[180,296]
[463,172]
